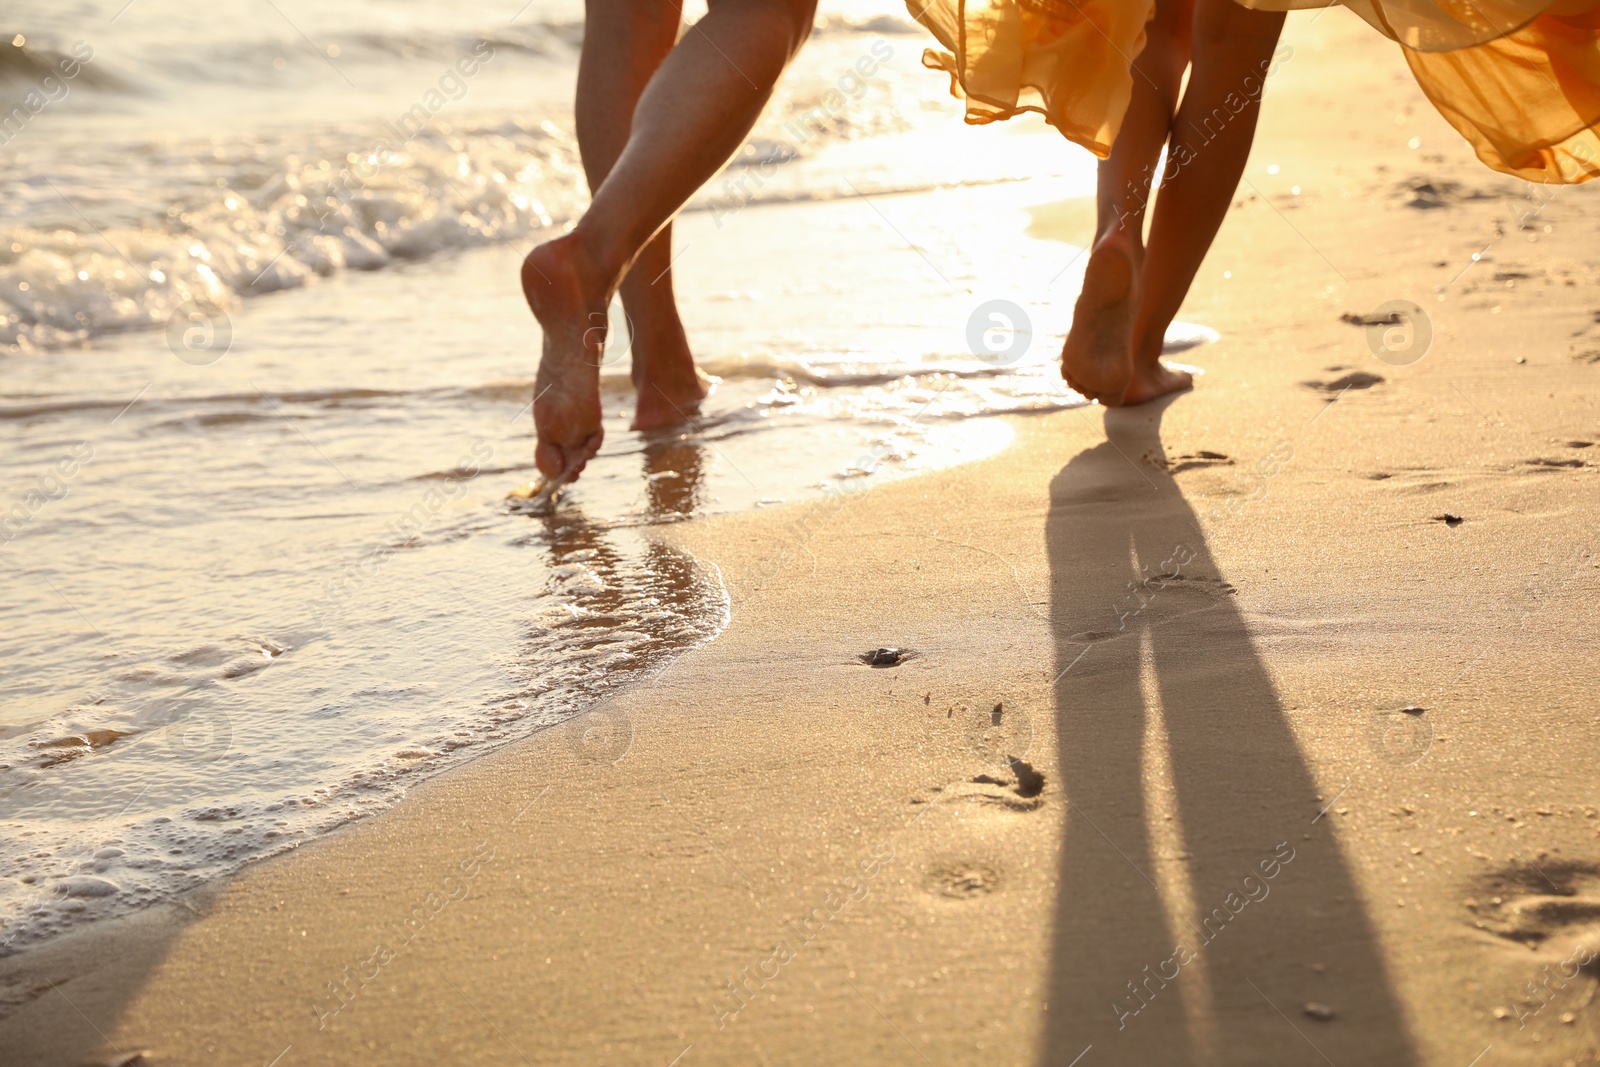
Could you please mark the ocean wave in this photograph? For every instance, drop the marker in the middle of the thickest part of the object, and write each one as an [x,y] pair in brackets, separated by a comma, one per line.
[841,375]
[156,403]
[882,25]
[832,373]
[249,219]
[256,53]
[23,64]
[259,228]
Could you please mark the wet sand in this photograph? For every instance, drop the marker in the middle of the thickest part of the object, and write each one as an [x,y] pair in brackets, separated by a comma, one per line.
[1317,764]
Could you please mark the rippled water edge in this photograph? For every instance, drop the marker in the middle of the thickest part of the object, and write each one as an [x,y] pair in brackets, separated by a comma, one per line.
[619,608]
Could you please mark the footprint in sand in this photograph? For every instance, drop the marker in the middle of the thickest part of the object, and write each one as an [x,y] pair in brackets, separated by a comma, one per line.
[17,992]
[1584,346]
[1387,318]
[1354,380]
[1016,788]
[960,879]
[1195,460]
[1556,905]
[1547,972]
[1412,480]
[1543,463]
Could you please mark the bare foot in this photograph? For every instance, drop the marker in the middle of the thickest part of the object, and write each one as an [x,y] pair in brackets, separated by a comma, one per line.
[665,399]
[1153,378]
[1097,359]
[570,305]
[669,386]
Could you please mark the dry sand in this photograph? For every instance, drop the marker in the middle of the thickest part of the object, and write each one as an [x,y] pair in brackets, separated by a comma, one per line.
[1198,622]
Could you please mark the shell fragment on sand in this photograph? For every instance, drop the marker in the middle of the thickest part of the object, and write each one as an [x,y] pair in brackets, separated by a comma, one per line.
[886,657]
[538,497]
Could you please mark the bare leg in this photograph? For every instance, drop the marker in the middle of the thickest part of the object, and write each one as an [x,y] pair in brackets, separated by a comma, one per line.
[694,113]
[624,42]
[1097,359]
[1211,138]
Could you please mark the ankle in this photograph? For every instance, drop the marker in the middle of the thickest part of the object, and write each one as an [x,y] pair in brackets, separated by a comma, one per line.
[672,388]
[666,363]
[598,269]
[1124,238]
[1147,347]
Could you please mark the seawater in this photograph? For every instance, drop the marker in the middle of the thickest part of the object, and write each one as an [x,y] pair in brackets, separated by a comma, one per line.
[264,386]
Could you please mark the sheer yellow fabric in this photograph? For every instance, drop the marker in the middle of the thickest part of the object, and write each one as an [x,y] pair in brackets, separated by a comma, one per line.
[1070,61]
[1518,80]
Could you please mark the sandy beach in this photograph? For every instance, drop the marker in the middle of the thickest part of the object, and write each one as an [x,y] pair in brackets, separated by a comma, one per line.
[1252,727]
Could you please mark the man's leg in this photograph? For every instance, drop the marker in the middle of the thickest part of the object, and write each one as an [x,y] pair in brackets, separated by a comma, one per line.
[624,42]
[694,113]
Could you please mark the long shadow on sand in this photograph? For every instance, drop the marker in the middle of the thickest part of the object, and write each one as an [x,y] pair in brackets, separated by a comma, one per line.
[1205,914]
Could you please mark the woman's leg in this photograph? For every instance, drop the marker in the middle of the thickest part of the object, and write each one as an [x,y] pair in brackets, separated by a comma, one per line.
[693,114]
[624,42]
[1211,138]
[1097,359]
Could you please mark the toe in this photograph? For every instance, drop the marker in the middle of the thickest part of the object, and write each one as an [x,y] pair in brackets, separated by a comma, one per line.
[550,458]
[556,460]
[586,451]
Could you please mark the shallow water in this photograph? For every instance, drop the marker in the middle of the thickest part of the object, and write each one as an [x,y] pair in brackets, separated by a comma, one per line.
[194,158]
[259,565]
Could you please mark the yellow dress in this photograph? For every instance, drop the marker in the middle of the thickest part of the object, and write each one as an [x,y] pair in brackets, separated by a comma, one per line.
[1518,81]
[1070,60]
